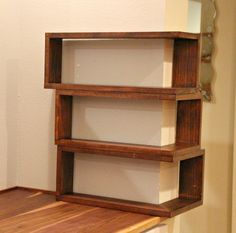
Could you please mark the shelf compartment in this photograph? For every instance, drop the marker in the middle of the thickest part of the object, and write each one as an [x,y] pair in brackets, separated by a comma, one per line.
[169,153]
[124,35]
[126,92]
[185,54]
[167,209]
[190,188]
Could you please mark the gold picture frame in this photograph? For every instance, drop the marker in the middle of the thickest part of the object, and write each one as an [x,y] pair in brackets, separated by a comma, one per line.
[207,33]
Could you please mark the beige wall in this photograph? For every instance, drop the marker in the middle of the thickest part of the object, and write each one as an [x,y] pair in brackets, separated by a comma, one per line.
[8,94]
[217,133]
[26,128]
[28,110]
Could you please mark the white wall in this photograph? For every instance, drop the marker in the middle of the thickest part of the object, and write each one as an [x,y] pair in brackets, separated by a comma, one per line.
[36,103]
[194,16]
[9,67]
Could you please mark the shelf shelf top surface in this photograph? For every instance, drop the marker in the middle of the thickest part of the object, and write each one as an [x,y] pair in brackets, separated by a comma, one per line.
[126,91]
[168,153]
[124,35]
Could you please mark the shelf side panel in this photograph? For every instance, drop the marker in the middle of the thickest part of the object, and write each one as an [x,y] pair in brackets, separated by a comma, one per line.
[191,178]
[53,61]
[65,172]
[188,127]
[185,63]
[63,118]
[168,209]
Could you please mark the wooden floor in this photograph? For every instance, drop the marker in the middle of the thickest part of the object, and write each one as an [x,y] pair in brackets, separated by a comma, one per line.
[23,211]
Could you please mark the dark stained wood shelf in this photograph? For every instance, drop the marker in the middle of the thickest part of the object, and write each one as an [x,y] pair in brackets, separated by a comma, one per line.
[127,92]
[185,54]
[124,35]
[170,153]
[166,209]
[186,150]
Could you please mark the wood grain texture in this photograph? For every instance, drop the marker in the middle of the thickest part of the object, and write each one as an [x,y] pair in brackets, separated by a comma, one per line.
[124,35]
[53,61]
[18,202]
[185,63]
[169,153]
[63,117]
[167,209]
[127,92]
[191,178]
[65,171]
[27,212]
[188,126]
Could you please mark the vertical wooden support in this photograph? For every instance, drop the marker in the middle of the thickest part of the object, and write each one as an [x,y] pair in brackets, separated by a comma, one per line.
[188,127]
[53,61]
[65,172]
[63,121]
[191,178]
[185,63]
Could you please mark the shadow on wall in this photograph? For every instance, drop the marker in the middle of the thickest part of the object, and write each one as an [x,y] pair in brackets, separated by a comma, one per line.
[218,184]
[13,74]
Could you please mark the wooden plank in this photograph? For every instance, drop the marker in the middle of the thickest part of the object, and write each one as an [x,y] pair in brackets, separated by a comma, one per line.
[188,127]
[41,214]
[186,62]
[113,203]
[63,117]
[65,171]
[180,205]
[127,92]
[191,178]
[36,190]
[124,35]
[142,226]
[99,221]
[169,153]
[75,88]
[19,202]
[168,209]
[53,61]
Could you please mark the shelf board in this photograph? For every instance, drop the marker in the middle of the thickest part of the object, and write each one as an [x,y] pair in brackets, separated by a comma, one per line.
[124,35]
[169,153]
[167,209]
[127,92]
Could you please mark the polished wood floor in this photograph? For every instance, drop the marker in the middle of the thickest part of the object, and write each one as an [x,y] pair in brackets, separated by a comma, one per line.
[23,211]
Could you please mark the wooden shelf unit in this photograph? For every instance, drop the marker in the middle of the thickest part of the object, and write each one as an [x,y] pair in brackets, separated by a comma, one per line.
[186,149]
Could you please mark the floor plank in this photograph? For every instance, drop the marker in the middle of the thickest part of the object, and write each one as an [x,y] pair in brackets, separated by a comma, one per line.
[23,211]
